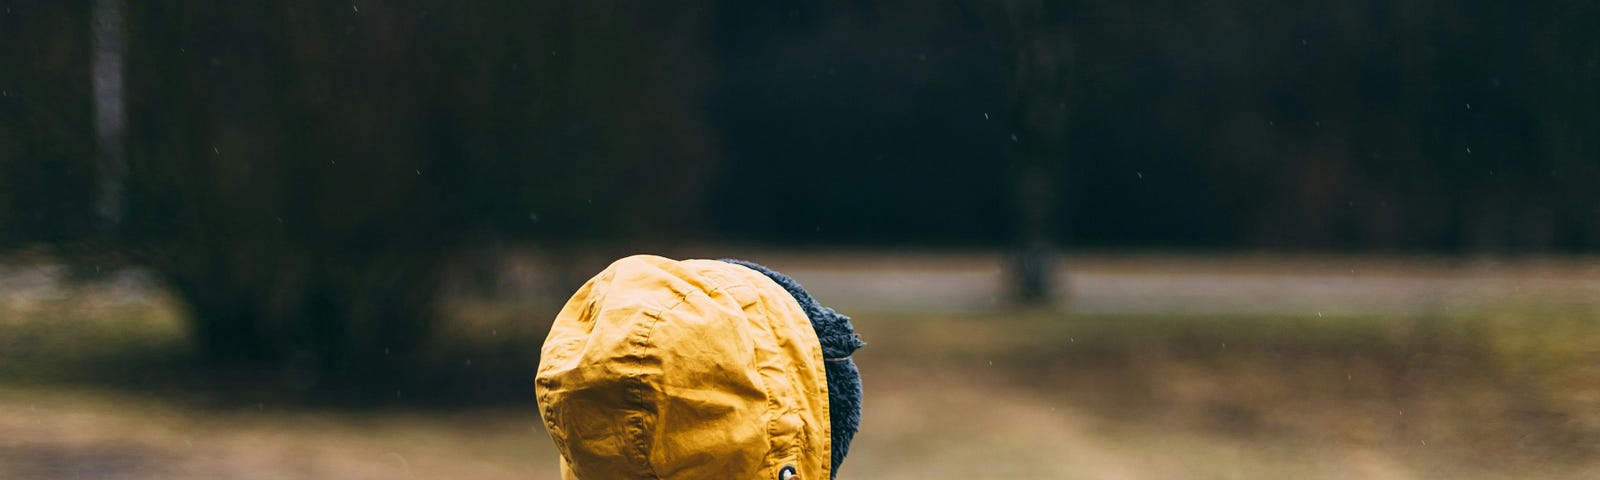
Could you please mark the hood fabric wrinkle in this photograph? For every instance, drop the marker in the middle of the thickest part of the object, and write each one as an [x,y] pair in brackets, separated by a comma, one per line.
[839,341]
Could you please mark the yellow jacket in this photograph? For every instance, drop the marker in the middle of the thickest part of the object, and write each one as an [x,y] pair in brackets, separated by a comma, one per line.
[693,370]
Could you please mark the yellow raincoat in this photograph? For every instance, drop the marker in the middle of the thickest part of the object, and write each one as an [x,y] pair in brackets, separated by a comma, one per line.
[692,370]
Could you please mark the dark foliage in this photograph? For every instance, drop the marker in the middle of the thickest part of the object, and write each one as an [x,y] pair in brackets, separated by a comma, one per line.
[302,171]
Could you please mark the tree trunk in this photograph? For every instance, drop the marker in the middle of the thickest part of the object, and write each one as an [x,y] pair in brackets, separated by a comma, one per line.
[1033,260]
[110,119]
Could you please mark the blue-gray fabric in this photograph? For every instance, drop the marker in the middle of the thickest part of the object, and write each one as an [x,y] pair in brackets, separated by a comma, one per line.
[839,341]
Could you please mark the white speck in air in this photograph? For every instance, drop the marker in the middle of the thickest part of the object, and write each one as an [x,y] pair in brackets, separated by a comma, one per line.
[985,115]
[1469,150]
[1469,106]
[353,7]
[1140,174]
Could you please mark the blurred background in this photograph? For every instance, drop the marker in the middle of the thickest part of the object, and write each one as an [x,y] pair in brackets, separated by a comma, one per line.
[1083,238]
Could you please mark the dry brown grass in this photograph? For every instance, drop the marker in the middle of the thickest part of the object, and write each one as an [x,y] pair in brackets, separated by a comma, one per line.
[1511,395]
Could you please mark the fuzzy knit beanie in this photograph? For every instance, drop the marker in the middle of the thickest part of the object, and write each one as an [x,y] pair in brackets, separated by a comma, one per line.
[839,341]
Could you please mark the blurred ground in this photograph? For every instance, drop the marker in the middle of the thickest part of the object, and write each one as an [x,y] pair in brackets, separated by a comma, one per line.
[1160,367]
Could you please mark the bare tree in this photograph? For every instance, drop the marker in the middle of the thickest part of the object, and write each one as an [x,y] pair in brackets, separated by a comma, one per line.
[1032,44]
[110,118]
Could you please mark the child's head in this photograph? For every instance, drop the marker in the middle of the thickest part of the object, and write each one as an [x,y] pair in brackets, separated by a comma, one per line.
[698,369]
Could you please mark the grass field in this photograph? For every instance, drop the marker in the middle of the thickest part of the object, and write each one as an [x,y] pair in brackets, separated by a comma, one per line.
[92,389]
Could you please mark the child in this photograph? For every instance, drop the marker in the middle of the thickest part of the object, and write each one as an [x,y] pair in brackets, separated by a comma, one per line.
[698,369]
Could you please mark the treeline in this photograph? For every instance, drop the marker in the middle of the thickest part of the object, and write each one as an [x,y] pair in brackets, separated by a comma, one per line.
[1466,127]
[1415,125]
[300,171]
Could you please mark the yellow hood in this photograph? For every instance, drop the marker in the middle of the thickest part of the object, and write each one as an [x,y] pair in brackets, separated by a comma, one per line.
[695,369]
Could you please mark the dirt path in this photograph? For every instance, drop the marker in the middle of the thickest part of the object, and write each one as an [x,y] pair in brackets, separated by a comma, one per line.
[1101,284]
[1204,285]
